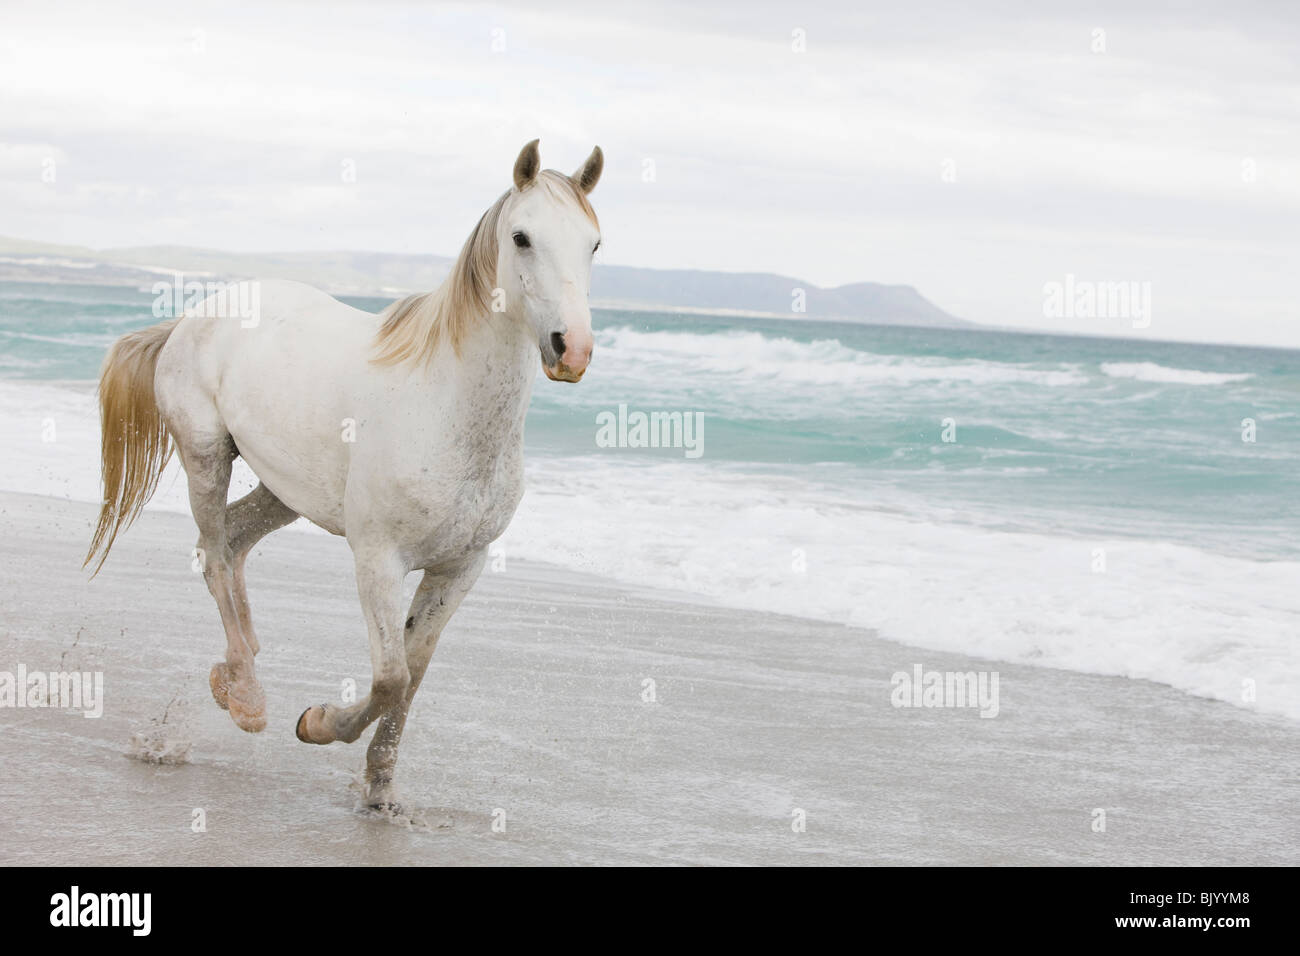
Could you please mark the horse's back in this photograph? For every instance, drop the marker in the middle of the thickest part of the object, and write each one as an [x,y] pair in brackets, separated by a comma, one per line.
[250,323]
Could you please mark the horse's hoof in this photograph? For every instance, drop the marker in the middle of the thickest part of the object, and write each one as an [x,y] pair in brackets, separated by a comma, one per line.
[389,808]
[247,705]
[220,679]
[312,727]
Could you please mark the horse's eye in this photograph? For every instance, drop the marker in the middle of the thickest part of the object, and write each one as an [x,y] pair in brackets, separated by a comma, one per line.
[595,247]
[521,240]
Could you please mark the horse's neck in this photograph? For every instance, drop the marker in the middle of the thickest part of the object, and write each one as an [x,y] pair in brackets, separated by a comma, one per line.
[491,381]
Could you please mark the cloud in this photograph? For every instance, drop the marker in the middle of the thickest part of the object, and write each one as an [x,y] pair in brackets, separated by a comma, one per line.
[974,154]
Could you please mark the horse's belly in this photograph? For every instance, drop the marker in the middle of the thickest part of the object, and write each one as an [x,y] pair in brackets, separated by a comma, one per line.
[287,394]
[305,486]
[289,434]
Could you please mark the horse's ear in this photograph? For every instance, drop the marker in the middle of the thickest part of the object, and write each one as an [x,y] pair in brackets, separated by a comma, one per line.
[589,174]
[528,165]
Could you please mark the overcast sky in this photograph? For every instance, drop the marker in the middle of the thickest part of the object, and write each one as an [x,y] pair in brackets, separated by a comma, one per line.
[975,154]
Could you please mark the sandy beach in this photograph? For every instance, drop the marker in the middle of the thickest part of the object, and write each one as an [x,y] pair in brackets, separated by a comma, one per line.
[535,712]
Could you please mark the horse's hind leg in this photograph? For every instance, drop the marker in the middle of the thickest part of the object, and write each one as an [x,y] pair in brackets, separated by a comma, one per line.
[248,521]
[207,459]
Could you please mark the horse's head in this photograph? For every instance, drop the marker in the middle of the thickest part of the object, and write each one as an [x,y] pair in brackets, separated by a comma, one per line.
[547,234]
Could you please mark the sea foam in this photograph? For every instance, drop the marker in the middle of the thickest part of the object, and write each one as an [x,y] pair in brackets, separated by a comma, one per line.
[1151,372]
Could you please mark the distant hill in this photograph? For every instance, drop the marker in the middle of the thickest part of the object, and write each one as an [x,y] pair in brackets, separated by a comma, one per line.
[391,274]
[765,293]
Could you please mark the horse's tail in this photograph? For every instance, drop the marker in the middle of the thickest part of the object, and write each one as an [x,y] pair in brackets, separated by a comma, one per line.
[135,443]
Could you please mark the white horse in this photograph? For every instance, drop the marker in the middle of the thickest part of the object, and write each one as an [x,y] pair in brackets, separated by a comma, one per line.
[402,431]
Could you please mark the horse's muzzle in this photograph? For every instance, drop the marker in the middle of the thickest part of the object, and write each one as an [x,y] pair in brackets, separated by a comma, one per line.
[562,373]
[570,355]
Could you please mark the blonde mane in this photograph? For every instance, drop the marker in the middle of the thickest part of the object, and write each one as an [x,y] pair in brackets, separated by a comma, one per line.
[415,327]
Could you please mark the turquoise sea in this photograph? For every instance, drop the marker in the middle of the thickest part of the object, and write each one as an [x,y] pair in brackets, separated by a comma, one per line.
[1111,505]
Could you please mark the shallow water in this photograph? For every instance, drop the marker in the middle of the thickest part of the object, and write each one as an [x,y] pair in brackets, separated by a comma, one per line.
[535,712]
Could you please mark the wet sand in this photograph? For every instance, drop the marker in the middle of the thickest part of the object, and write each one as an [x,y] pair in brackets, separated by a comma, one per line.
[533,711]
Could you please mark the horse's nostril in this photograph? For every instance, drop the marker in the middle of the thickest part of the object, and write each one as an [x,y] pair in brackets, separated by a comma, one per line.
[557,343]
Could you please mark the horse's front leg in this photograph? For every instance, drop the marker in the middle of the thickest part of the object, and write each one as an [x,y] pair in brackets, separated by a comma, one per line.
[436,600]
[379,582]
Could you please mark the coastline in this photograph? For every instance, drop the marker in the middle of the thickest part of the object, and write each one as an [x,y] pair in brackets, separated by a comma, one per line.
[534,706]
